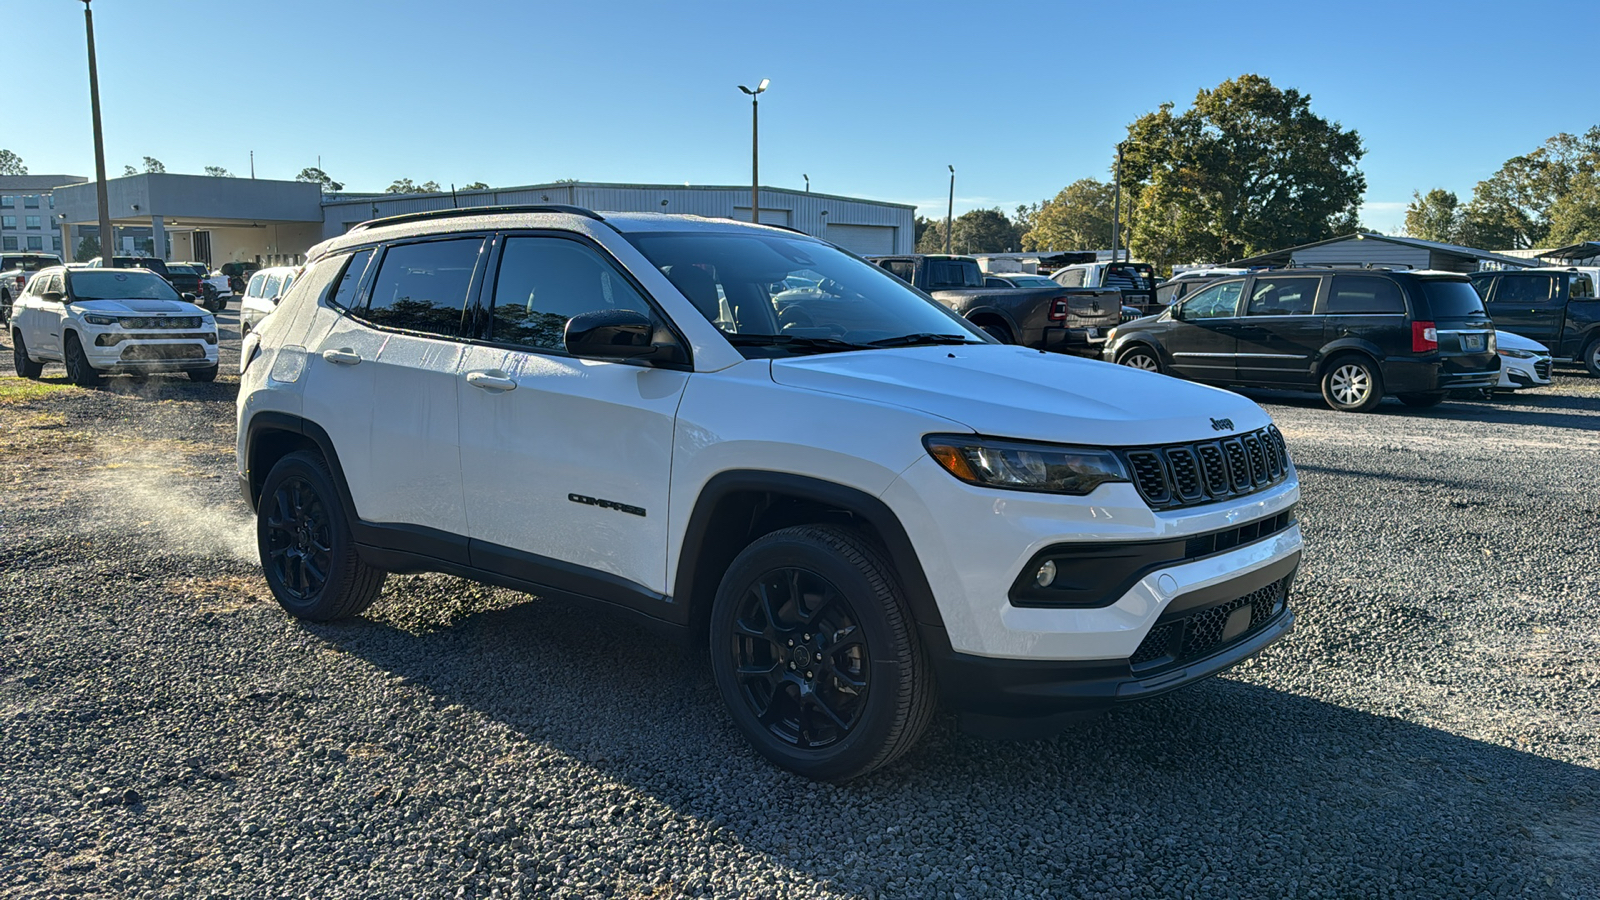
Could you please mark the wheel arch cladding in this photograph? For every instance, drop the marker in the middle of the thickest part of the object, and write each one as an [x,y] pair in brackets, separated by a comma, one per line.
[271,436]
[737,507]
[1336,352]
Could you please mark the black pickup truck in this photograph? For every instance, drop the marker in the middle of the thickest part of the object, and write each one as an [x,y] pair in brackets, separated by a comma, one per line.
[1065,320]
[1556,307]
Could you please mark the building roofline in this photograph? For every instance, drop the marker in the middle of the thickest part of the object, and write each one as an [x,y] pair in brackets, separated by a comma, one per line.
[342,197]
[1416,243]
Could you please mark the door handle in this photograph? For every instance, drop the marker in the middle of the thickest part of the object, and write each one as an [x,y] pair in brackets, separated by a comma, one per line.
[495,382]
[344,356]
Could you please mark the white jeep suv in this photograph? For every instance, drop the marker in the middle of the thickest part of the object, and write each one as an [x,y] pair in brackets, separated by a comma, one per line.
[95,321]
[863,504]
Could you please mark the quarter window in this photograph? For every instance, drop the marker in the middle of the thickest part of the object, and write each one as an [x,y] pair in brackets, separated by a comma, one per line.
[1582,288]
[1524,290]
[1220,301]
[254,289]
[1364,294]
[423,287]
[344,295]
[1070,278]
[1283,296]
[544,282]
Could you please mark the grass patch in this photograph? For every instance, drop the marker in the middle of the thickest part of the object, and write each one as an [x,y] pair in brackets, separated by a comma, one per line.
[21,390]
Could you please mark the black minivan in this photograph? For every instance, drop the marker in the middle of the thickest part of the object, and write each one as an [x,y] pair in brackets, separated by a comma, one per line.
[1355,334]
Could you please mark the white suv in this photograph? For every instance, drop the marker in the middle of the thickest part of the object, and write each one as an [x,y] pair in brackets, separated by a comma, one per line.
[261,295]
[860,502]
[98,321]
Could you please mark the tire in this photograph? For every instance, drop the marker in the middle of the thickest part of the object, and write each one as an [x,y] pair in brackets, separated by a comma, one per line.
[26,368]
[816,655]
[1352,384]
[1423,401]
[1140,357]
[79,372]
[5,308]
[1591,357]
[307,551]
[999,332]
[203,375]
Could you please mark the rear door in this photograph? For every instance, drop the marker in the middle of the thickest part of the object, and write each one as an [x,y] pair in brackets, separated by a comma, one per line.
[1529,304]
[1279,335]
[1367,308]
[1464,331]
[1201,338]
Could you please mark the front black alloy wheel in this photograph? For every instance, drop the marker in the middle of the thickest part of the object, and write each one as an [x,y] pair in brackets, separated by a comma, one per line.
[307,551]
[815,653]
[79,372]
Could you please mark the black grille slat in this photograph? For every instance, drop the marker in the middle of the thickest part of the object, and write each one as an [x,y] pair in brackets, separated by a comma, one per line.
[1180,475]
[1541,368]
[1197,633]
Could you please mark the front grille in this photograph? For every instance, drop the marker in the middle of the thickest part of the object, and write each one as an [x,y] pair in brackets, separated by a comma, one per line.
[113,338]
[1179,475]
[1196,633]
[163,351]
[1541,368]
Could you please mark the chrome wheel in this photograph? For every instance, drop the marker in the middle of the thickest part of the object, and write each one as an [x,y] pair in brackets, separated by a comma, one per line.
[1351,384]
[1142,360]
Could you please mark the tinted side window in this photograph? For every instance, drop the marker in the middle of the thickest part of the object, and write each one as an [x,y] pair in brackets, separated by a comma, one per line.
[905,270]
[1070,278]
[1582,288]
[1216,302]
[1524,290]
[544,281]
[423,287]
[1283,296]
[1364,294]
[344,295]
[1481,285]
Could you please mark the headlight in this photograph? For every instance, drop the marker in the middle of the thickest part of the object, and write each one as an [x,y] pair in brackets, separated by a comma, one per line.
[1517,354]
[1025,467]
[208,320]
[100,320]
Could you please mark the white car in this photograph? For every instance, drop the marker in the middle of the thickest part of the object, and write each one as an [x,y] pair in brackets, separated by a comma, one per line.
[860,503]
[261,295]
[1523,363]
[98,321]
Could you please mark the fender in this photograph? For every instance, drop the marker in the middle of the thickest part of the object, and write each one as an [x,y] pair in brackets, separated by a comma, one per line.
[1334,348]
[901,552]
[1010,320]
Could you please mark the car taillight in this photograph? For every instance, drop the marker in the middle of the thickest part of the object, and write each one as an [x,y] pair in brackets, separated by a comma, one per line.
[1424,337]
[1058,309]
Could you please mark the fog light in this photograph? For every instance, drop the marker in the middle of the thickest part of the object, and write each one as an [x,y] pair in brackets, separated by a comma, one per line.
[1046,573]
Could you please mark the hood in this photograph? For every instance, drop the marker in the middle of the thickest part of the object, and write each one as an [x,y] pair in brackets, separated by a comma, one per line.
[1508,341]
[140,307]
[1013,392]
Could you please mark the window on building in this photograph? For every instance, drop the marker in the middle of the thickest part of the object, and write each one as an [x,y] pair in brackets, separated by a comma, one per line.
[34,222]
[55,243]
[8,221]
[8,200]
[31,201]
[52,199]
[9,242]
[35,242]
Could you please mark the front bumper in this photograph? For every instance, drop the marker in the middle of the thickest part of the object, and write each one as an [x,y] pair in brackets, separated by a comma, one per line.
[1524,373]
[1084,340]
[151,353]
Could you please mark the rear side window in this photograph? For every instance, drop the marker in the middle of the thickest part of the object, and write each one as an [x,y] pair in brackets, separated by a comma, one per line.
[423,287]
[1069,278]
[903,269]
[1283,296]
[1582,288]
[544,282]
[1524,290]
[953,273]
[1366,295]
[1452,299]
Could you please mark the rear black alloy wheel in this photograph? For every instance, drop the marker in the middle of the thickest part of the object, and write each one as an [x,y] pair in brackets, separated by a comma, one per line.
[1140,357]
[307,551]
[816,656]
[26,368]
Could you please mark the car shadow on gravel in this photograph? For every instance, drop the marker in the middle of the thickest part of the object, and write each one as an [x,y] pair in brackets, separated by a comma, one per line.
[1225,788]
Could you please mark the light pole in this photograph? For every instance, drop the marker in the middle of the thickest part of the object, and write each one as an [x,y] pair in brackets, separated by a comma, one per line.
[950,211]
[755,150]
[1116,206]
[808,182]
[107,250]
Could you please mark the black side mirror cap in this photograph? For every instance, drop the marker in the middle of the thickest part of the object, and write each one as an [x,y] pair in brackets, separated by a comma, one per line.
[615,334]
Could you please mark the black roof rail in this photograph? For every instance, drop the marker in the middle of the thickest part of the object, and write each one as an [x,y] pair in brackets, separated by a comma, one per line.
[478,211]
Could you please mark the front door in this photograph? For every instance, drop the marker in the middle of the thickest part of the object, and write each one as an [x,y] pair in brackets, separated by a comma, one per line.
[566,461]
[1201,339]
[41,320]
[1529,304]
[1278,335]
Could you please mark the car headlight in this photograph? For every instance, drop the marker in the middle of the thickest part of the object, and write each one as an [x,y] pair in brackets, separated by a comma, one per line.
[1517,354]
[101,320]
[1025,466]
[208,320]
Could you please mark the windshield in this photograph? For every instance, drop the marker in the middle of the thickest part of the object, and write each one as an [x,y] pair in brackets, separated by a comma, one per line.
[777,295]
[27,263]
[119,284]
[1452,299]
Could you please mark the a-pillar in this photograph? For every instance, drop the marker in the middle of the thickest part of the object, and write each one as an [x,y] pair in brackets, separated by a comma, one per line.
[158,237]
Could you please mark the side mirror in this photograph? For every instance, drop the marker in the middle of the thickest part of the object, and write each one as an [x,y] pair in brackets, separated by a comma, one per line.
[614,334]
[53,296]
[187,297]
[274,300]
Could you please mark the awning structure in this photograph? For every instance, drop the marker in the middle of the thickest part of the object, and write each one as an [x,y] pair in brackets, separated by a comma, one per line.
[1585,253]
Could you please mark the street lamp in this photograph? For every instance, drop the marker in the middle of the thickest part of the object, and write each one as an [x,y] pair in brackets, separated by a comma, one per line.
[950,211]
[808,181]
[755,151]
[106,237]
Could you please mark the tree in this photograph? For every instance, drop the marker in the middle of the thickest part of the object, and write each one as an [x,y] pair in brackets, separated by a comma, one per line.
[1249,168]
[88,249]
[11,164]
[1576,215]
[922,225]
[129,171]
[931,236]
[475,186]
[984,231]
[317,176]
[1515,207]
[218,172]
[1435,216]
[153,165]
[1079,218]
[405,186]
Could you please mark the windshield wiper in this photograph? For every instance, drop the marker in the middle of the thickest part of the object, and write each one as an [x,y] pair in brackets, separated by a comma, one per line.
[790,340]
[923,337]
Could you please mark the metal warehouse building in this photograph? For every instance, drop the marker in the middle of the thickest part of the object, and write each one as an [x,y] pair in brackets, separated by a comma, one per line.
[1363,249]
[862,226]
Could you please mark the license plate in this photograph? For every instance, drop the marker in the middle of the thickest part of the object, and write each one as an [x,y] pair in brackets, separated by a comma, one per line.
[1093,331]
[1472,342]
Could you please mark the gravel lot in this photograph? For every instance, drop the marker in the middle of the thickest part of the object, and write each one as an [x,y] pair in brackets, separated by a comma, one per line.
[1429,729]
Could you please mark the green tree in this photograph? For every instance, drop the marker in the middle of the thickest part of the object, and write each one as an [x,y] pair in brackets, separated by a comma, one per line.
[984,231]
[1576,215]
[1515,207]
[218,172]
[11,164]
[405,186]
[1249,168]
[932,237]
[1435,216]
[88,249]
[317,176]
[129,171]
[153,165]
[1078,218]
[921,224]
[475,186]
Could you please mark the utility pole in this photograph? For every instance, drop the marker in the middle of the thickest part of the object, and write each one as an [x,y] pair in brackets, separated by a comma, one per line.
[1116,208]
[808,181]
[107,239]
[755,151]
[950,211]
[252,157]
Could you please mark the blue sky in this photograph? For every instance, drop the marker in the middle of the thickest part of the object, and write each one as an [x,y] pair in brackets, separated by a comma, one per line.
[870,99]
